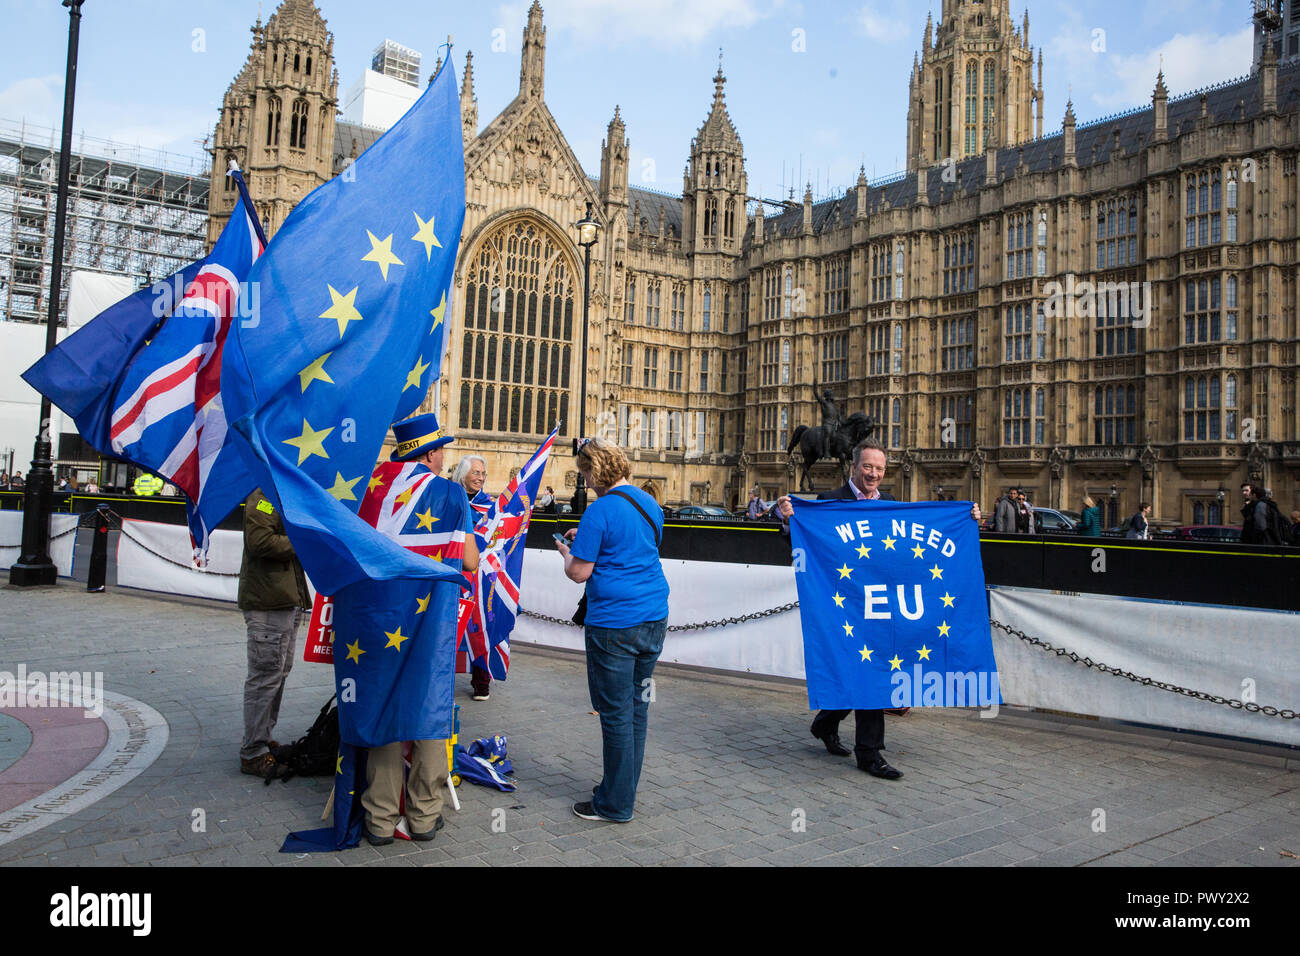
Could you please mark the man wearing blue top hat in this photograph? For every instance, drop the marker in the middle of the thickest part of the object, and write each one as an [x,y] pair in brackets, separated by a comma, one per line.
[411,678]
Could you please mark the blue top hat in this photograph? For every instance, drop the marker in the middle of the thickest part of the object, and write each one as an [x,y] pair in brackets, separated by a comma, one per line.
[417,435]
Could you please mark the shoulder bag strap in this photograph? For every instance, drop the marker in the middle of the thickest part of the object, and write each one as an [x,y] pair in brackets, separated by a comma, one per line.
[632,501]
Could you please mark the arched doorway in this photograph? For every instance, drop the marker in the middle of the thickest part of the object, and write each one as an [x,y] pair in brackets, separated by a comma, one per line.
[516,353]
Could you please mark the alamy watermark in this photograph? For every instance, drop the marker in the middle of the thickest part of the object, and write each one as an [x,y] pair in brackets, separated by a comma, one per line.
[82,689]
[923,688]
[1086,300]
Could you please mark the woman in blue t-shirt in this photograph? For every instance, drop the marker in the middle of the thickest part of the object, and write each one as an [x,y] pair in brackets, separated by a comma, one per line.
[615,551]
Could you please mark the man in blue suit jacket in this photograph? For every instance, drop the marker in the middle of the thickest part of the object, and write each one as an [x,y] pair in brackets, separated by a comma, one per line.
[869,461]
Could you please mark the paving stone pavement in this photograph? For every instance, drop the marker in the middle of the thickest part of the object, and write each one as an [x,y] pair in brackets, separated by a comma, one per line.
[731,775]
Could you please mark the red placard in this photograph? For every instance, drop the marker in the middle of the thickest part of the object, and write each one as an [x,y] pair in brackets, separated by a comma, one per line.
[319,647]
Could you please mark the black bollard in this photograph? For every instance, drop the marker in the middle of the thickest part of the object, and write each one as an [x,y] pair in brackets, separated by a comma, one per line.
[99,552]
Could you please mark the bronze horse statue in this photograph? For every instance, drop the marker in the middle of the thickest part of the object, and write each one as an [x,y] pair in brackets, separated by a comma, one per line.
[814,444]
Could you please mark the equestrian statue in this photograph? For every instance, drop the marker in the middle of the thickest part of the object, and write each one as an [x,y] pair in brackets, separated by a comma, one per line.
[834,438]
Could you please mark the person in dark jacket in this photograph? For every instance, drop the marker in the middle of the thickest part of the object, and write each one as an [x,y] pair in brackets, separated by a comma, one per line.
[1260,519]
[272,595]
[1090,522]
[869,460]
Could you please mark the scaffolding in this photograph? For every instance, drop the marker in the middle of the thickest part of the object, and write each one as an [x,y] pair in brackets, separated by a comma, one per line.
[131,212]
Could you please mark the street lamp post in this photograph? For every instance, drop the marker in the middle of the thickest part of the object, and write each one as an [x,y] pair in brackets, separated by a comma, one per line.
[588,230]
[34,565]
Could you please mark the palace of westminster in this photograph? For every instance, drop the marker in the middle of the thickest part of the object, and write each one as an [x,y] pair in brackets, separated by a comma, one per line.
[922,300]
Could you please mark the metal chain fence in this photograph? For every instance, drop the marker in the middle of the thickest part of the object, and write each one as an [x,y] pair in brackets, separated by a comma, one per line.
[1235,704]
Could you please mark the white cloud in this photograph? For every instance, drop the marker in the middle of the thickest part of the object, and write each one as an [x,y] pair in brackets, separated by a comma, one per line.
[662,22]
[1190,62]
[36,99]
[885,21]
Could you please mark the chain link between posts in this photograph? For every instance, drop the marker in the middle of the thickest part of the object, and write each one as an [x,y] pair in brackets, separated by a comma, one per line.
[703,625]
[85,522]
[1254,708]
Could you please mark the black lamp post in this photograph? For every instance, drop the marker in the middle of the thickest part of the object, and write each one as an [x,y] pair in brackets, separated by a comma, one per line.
[588,230]
[34,565]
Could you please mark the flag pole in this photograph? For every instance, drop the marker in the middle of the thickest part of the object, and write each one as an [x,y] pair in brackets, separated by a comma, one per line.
[234,173]
[35,566]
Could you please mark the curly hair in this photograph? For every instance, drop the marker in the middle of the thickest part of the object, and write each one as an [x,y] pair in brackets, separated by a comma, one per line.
[605,461]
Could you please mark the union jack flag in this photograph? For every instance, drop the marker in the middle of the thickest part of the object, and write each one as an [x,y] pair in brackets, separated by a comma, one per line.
[487,616]
[167,412]
[396,505]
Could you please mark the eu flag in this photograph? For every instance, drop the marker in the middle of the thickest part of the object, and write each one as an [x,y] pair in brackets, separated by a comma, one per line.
[353,295]
[892,601]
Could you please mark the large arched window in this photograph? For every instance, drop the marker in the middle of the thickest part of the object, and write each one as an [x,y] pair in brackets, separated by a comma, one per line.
[519,326]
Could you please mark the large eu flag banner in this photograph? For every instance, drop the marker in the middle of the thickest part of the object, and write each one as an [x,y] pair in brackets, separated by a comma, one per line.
[892,600]
[353,293]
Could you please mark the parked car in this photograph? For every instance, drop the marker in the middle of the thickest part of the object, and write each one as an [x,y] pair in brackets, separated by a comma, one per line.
[703,512]
[1052,521]
[1206,532]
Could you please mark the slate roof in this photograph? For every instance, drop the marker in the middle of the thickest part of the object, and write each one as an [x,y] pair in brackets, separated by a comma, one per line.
[345,134]
[1094,143]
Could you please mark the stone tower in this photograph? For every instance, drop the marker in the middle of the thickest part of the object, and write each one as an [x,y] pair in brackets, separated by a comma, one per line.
[277,118]
[613,167]
[973,86]
[715,186]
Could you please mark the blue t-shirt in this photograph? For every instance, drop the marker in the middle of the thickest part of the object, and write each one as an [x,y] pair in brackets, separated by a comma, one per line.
[627,585]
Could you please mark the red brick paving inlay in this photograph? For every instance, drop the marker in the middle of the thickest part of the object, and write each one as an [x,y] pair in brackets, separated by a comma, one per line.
[64,741]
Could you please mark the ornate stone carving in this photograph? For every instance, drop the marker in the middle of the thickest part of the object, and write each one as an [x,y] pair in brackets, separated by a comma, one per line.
[1057,460]
[1256,460]
[977,459]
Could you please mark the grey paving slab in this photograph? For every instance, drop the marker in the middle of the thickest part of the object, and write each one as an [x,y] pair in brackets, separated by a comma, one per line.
[732,776]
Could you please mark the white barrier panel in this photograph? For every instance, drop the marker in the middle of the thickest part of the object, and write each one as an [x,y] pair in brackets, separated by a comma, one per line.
[699,591]
[1236,653]
[158,557]
[63,539]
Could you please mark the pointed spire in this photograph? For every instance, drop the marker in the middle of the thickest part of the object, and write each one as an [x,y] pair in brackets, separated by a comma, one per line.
[468,103]
[927,40]
[467,84]
[1069,112]
[1161,90]
[862,175]
[1024,30]
[532,61]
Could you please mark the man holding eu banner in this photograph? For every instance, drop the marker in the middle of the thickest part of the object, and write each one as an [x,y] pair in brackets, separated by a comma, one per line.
[870,603]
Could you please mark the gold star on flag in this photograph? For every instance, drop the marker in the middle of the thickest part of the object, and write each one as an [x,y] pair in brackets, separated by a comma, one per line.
[355,652]
[845,571]
[426,519]
[343,309]
[889,544]
[924,653]
[342,489]
[918,551]
[896,664]
[865,652]
[436,557]
[438,312]
[315,372]
[405,496]
[310,442]
[944,628]
[395,638]
[414,375]
[864,551]
[936,572]
[839,601]
[338,768]
[374,483]
[422,604]
[848,629]
[425,235]
[946,599]
[381,253]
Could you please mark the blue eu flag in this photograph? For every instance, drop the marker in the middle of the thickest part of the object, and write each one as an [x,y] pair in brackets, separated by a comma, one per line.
[348,339]
[892,601]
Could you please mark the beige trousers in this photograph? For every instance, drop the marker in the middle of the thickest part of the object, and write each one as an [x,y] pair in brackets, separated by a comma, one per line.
[424,786]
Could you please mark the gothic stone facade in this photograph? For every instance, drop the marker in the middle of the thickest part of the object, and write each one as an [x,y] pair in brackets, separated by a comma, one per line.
[926,301]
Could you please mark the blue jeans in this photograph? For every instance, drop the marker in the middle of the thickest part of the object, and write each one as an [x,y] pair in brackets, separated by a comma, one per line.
[620,661]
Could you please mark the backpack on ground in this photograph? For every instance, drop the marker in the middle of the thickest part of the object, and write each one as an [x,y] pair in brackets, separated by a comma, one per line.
[315,754]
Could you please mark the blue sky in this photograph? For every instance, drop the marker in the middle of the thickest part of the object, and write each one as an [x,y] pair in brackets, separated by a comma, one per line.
[838,102]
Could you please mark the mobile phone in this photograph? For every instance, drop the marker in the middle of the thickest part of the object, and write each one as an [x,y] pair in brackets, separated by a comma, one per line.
[560,538]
